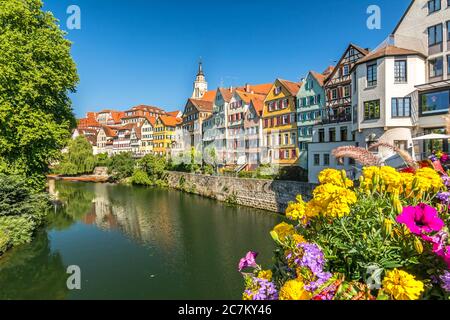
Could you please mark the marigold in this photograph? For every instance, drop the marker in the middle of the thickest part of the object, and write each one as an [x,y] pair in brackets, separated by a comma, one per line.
[296,211]
[332,201]
[266,275]
[402,286]
[294,290]
[284,230]
[335,177]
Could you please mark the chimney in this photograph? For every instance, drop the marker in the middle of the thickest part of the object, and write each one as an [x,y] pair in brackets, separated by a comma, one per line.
[247,88]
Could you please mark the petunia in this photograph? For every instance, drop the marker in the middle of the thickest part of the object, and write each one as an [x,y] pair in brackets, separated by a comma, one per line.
[445,280]
[421,219]
[249,261]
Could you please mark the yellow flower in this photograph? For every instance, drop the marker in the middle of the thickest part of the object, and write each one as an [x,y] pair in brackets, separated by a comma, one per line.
[402,286]
[418,245]
[265,274]
[428,181]
[284,230]
[335,177]
[332,201]
[388,223]
[296,210]
[294,290]
[298,239]
[246,296]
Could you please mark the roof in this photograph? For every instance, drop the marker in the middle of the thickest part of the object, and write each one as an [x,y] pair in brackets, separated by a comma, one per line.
[403,17]
[173,113]
[209,96]
[127,126]
[329,70]
[202,105]
[88,122]
[170,120]
[258,103]
[386,52]
[319,77]
[227,94]
[117,116]
[258,88]
[292,87]
[110,132]
[363,51]
[151,120]
[247,97]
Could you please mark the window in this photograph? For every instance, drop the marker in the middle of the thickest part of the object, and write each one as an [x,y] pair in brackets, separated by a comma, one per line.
[321,135]
[294,154]
[400,71]
[448,27]
[436,67]
[344,135]
[347,91]
[372,75]
[293,138]
[435,35]
[401,107]
[435,102]
[448,63]
[372,110]
[334,94]
[434,5]
[286,154]
[345,70]
[317,159]
[332,133]
[286,138]
[326,159]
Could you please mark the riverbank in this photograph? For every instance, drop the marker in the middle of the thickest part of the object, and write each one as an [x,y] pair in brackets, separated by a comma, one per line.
[269,195]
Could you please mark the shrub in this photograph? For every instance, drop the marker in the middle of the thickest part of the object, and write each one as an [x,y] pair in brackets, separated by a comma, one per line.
[78,159]
[22,211]
[141,178]
[121,166]
[247,174]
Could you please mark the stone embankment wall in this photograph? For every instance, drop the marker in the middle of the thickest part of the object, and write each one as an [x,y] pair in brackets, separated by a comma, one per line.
[261,194]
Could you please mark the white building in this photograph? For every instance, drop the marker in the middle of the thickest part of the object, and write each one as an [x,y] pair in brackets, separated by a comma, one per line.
[425,27]
[385,98]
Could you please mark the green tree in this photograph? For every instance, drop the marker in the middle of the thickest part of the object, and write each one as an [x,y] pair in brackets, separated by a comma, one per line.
[121,166]
[79,158]
[37,74]
[154,166]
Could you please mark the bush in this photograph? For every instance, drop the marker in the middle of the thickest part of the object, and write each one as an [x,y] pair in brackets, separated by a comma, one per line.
[208,169]
[247,174]
[293,173]
[79,158]
[141,178]
[101,160]
[121,166]
[22,211]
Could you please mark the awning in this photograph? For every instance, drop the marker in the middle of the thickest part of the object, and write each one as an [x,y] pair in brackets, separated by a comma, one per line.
[433,85]
[433,136]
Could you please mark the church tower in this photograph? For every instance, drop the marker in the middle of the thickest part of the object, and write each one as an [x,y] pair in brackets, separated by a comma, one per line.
[200,84]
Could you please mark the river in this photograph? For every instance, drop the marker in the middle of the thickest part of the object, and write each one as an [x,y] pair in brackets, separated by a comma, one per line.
[137,243]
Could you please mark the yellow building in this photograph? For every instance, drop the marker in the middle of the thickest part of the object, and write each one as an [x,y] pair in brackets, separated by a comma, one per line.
[280,123]
[164,134]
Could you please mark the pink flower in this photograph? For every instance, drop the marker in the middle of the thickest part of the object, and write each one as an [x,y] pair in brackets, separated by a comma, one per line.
[248,261]
[421,219]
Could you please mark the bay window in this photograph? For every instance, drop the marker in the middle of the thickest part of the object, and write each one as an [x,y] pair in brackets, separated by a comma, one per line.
[434,102]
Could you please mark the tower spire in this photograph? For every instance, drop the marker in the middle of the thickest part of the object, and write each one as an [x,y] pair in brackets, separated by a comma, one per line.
[200,84]
[200,68]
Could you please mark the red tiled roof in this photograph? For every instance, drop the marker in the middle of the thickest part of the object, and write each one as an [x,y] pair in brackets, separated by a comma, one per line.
[117,116]
[388,51]
[209,96]
[110,132]
[151,120]
[329,70]
[258,103]
[247,97]
[319,77]
[292,87]
[227,94]
[173,113]
[88,122]
[202,105]
[258,88]
[170,120]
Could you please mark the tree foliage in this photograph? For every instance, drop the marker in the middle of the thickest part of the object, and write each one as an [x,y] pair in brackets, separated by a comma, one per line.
[121,166]
[36,75]
[79,159]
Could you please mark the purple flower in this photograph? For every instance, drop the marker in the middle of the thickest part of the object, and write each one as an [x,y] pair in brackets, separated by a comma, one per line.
[312,258]
[421,219]
[444,197]
[249,261]
[433,158]
[322,278]
[446,180]
[445,279]
[266,290]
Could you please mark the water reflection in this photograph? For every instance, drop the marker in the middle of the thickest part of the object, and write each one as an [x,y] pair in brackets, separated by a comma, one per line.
[141,243]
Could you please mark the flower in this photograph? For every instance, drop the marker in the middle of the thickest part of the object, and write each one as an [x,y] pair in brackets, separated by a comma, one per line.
[265,274]
[298,239]
[296,211]
[261,289]
[445,281]
[312,258]
[335,177]
[400,285]
[294,290]
[248,261]
[444,197]
[284,230]
[421,219]
[331,201]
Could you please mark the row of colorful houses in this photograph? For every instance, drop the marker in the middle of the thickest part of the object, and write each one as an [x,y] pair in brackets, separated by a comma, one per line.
[396,93]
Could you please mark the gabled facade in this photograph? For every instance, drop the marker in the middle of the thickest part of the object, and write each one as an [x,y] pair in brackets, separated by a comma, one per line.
[253,128]
[139,113]
[164,135]
[280,123]
[122,142]
[110,117]
[431,37]
[135,140]
[335,127]
[310,102]
[147,130]
[105,139]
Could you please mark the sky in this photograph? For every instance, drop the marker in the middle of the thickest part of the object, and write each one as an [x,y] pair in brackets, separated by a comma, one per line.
[146,52]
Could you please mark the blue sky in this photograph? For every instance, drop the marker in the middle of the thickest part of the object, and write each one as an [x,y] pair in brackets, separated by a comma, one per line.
[146,52]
